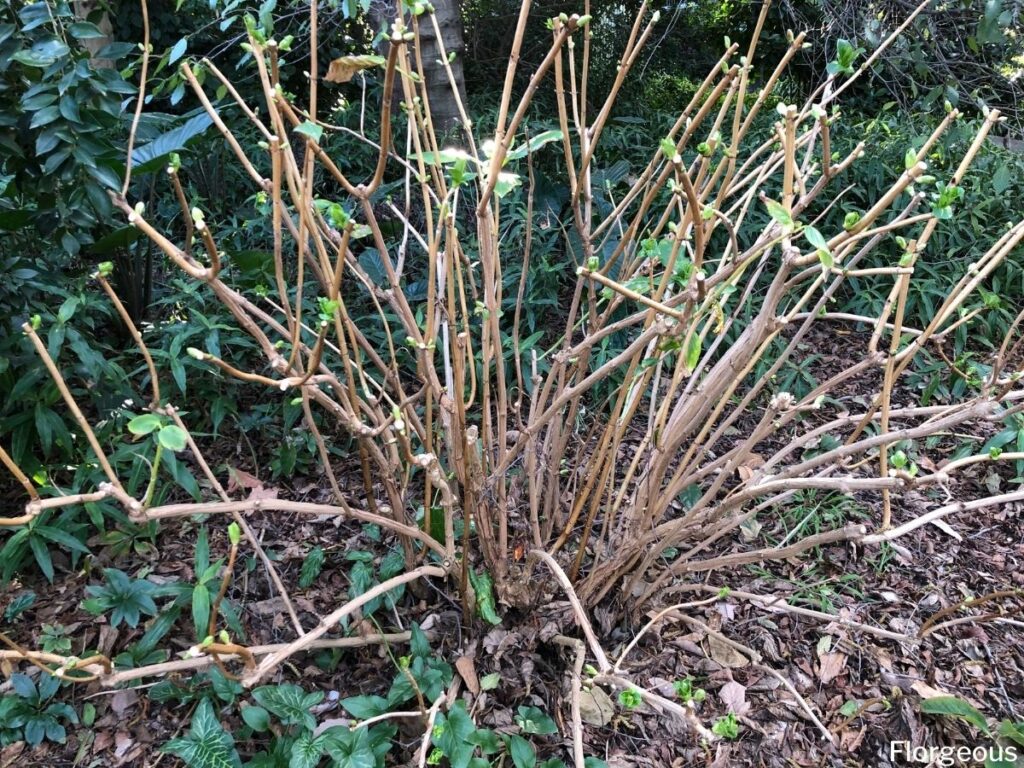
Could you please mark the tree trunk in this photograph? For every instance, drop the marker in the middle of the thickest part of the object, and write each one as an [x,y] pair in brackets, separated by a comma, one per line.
[83,10]
[444,108]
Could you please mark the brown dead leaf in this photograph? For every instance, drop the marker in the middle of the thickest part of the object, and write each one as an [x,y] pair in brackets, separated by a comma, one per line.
[9,753]
[751,463]
[596,707]
[850,739]
[925,691]
[344,69]
[725,654]
[467,671]
[122,701]
[734,696]
[263,493]
[103,741]
[831,666]
[239,478]
[124,742]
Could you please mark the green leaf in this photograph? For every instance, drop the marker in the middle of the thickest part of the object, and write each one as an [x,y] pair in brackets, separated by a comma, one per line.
[144,424]
[85,30]
[453,733]
[178,51]
[693,348]
[57,536]
[535,143]
[42,556]
[256,718]
[522,752]
[1001,179]
[289,703]
[815,238]
[487,740]
[535,720]
[446,157]
[483,586]
[173,438]
[306,751]
[999,758]
[310,131]
[1013,731]
[42,54]
[207,744]
[419,645]
[311,567]
[490,682]
[350,749]
[155,154]
[849,708]
[365,707]
[200,610]
[951,706]
[779,213]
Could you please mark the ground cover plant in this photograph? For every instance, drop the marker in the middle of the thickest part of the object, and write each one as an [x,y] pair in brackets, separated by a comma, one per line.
[618,462]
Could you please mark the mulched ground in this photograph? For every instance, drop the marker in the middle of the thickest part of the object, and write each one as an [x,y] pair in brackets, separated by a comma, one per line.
[829,665]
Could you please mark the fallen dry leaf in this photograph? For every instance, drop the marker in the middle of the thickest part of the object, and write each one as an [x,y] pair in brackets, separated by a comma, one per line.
[925,691]
[124,742]
[239,478]
[344,69]
[467,671]
[831,666]
[725,654]
[734,696]
[596,707]
[123,700]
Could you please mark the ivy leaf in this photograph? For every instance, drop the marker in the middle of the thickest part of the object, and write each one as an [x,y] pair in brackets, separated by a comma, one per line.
[350,749]
[419,645]
[365,707]
[522,752]
[310,131]
[290,703]
[306,751]
[207,744]
[256,718]
[534,720]
[453,734]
